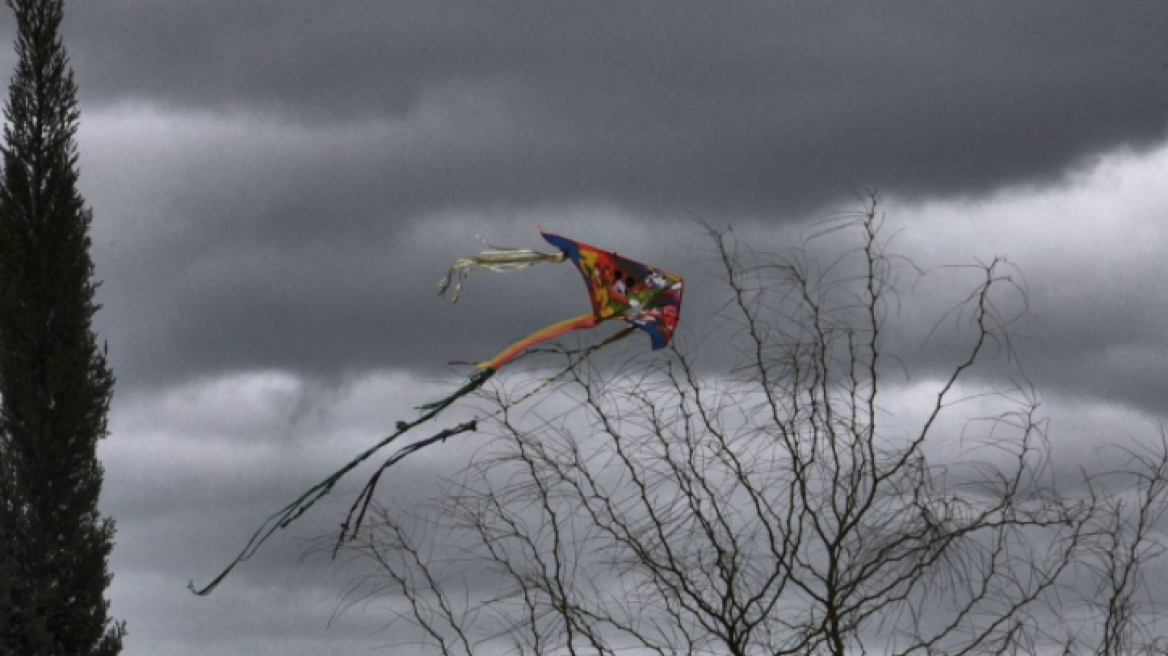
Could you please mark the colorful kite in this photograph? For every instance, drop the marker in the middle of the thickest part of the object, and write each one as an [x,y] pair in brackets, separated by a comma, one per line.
[646,297]
[618,288]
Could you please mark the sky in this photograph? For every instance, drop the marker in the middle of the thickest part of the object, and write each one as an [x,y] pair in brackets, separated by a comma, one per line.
[278,186]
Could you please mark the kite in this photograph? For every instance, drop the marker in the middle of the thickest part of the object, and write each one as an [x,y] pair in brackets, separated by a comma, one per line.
[645,297]
[618,288]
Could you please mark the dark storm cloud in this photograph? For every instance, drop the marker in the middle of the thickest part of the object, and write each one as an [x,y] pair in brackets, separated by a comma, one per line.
[285,171]
[193,470]
[765,106]
[1087,254]
[229,245]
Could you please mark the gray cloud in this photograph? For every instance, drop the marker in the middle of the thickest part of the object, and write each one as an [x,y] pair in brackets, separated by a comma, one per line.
[192,471]
[283,171]
[668,106]
[246,274]
[187,497]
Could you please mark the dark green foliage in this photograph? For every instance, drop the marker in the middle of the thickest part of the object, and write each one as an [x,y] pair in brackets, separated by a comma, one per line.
[55,385]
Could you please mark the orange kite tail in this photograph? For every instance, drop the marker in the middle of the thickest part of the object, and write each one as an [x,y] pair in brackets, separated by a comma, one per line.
[551,332]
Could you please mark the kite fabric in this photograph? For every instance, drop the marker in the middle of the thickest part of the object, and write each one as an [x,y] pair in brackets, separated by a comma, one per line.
[646,297]
[618,288]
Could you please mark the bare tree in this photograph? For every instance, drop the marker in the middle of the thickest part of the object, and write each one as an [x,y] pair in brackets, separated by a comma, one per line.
[774,510]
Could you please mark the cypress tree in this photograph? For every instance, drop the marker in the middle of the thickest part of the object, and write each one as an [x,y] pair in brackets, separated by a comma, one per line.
[55,385]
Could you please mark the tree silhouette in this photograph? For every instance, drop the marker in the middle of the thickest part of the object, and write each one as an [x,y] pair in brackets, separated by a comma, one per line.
[54,380]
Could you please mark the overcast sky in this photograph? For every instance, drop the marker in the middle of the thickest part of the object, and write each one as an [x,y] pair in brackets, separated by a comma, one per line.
[277,187]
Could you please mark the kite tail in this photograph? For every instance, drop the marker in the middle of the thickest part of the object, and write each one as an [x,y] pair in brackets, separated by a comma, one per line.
[475,381]
[288,514]
[498,260]
[551,332]
[357,511]
[366,496]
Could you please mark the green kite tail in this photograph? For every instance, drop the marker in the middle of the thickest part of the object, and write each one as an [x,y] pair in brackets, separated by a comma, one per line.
[292,511]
